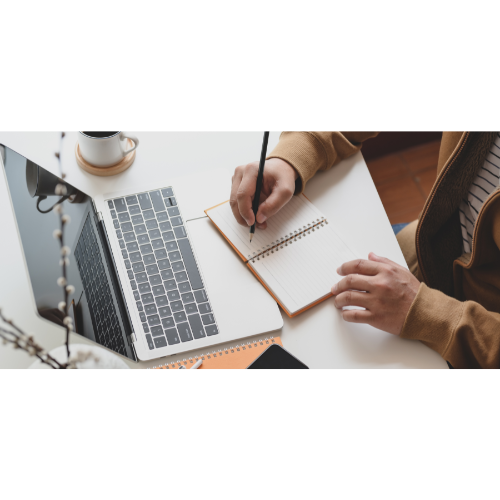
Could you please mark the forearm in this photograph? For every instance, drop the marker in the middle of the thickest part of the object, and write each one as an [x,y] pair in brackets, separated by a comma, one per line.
[309,152]
[463,333]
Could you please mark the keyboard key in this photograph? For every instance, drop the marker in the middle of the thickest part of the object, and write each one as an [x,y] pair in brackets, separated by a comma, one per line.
[157,200]
[134,210]
[119,234]
[142,316]
[211,330]
[156,244]
[200,296]
[127,226]
[178,266]
[164,264]
[167,192]
[190,263]
[149,259]
[129,237]
[145,249]
[120,205]
[172,336]
[168,322]
[139,306]
[152,269]
[148,214]
[185,287]
[145,327]
[124,217]
[142,239]
[132,246]
[141,277]
[155,280]
[135,257]
[173,211]
[140,229]
[116,224]
[168,236]
[176,306]
[161,216]
[161,300]
[165,226]
[173,200]
[164,311]
[158,290]
[110,204]
[196,326]
[122,244]
[187,297]
[154,234]
[151,224]
[150,309]
[124,253]
[161,254]
[153,320]
[171,245]
[149,340]
[147,298]
[130,275]
[138,267]
[180,317]
[167,274]
[144,287]
[160,342]
[174,256]
[191,308]
[180,232]
[170,285]
[133,284]
[131,200]
[144,201]
[176,221]
[136,296]
[204,308]
[182,276]
[173,295]
[137,219]
[128,265]
[184,332]
[156,331]
[208,319]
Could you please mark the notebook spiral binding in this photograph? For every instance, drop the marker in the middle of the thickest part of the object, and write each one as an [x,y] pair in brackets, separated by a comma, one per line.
[277,245]
[218,353]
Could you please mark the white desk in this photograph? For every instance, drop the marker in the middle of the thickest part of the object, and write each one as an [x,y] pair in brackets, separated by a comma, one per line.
[319,337]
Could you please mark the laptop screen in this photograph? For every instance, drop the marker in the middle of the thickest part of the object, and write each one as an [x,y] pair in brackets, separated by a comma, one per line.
[95,305]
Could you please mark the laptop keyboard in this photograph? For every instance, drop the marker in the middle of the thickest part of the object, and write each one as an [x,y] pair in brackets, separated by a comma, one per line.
[102,310]
[170,296]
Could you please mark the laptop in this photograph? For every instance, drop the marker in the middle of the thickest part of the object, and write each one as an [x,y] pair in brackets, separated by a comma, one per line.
[152,276]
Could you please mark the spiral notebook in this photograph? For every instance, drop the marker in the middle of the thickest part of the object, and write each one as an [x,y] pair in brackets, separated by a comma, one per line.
[234,357]
[295,258]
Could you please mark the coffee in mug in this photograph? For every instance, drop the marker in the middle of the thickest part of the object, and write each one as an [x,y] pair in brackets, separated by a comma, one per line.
[103,149]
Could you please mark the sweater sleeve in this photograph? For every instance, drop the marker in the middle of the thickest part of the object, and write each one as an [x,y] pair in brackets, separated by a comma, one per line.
[309,152]
[463,333]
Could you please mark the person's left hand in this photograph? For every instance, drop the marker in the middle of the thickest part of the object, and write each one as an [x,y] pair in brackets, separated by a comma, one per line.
[383,287]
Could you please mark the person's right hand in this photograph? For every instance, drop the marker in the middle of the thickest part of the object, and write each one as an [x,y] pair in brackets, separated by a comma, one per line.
[278,187]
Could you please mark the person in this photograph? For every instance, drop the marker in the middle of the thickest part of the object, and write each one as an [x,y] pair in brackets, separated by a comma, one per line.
[449,299]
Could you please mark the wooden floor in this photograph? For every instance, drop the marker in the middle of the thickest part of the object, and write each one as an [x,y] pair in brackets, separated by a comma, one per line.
[404,179]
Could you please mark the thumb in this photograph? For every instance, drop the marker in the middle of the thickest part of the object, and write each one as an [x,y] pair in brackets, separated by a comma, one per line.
[278,198]
[383,260]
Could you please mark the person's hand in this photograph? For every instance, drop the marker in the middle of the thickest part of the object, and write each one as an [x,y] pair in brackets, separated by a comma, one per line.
[278,187]
[381,286]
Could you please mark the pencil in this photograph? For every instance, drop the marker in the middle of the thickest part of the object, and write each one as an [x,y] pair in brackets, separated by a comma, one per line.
[258,188]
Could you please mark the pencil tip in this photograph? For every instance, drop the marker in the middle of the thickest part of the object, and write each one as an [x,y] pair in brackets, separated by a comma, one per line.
[251,236]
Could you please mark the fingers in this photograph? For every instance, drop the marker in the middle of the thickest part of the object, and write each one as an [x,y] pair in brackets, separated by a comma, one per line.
[353,282]
[233,202]
[352,298]
[246,192]
[279,197]
[360,266]
[357,316]
[383,260]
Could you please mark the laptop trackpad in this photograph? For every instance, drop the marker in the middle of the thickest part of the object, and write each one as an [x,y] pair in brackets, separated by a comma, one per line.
[242,306]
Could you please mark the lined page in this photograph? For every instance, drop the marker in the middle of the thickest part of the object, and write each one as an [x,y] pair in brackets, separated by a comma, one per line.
[298,212]
[305,271]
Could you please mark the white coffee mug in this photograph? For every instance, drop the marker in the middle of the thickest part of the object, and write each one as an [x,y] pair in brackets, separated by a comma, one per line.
[103,149]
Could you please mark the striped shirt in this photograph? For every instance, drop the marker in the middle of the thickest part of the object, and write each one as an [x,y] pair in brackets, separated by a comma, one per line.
[486,181]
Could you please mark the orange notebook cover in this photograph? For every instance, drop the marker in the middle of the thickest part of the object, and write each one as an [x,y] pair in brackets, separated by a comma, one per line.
[287,312]
[238,357]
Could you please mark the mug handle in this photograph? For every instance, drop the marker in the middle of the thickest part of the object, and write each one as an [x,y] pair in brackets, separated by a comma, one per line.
[123,136]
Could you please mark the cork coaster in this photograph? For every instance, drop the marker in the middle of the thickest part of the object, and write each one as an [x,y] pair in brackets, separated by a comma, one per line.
[117,168]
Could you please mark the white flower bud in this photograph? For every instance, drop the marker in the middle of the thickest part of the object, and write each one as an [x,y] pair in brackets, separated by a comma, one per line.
[70,289]
[61,306]
[66,219]
[57,233]
[61,281]
[58,209]
[68,320]
[65,250]
[61,189]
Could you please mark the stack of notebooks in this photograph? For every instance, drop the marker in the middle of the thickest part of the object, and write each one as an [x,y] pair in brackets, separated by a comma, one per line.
[295,258]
